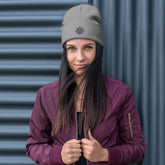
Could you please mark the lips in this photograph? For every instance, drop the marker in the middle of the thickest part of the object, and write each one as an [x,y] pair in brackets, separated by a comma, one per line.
[80,65]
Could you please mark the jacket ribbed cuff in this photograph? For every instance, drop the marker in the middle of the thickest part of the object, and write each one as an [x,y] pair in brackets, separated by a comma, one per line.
[55,155]
[114,155]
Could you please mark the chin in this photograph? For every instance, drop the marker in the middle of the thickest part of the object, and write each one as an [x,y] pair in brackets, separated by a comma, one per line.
[78,73]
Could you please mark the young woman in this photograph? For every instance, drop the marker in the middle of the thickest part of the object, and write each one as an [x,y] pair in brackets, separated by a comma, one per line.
[85,117]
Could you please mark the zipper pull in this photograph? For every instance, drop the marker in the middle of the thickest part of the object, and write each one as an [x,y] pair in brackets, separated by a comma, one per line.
[130,125]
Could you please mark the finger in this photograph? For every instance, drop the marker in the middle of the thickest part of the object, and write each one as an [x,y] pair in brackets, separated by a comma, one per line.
[74,141]
[86,154]
[90,135]
[86,142]
[86,148]
[71,160]
[75,155]
[74,144]
[76,151]
[74,160]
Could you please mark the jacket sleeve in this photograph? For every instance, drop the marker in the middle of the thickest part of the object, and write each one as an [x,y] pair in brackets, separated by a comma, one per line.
[39,144]
[132,146]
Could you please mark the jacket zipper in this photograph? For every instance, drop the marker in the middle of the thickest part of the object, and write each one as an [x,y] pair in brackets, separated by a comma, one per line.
[76,131]
[76,128]
[85,131]
[130,125]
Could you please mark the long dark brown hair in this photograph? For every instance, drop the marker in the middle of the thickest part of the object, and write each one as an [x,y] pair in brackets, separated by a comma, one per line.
[94,94]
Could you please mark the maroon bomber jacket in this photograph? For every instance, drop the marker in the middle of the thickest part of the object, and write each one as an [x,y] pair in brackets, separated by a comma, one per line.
[120,132]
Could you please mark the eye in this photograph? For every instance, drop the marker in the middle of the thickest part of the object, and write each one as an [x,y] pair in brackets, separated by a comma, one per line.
[71,48]
[88,47]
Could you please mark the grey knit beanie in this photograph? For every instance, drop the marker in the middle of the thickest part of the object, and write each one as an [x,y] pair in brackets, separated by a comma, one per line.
[82,21]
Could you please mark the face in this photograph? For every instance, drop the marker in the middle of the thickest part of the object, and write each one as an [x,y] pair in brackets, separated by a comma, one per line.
[80,53]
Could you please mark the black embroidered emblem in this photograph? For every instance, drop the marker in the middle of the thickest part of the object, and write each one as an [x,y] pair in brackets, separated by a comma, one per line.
[79,30]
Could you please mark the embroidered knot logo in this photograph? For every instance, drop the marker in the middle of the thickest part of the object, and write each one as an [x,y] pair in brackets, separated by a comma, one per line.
[79,30]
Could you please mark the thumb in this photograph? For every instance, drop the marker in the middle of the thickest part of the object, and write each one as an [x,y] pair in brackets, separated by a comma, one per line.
[90,135]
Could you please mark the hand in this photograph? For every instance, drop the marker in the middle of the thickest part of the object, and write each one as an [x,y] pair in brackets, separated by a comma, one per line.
[93,151]
[71,151]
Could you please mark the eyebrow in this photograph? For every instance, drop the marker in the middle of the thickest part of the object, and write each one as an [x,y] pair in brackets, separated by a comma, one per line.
[84,45]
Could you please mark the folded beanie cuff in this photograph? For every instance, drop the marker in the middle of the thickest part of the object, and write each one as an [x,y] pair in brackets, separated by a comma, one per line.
[82,31]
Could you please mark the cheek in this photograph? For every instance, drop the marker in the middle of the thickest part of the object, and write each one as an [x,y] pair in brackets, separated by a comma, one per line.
[69,58]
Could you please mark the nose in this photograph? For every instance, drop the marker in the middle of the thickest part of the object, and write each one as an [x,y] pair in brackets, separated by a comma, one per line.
[80,55]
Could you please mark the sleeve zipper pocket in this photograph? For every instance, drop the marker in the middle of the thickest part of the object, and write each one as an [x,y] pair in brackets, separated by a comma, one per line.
[130,125]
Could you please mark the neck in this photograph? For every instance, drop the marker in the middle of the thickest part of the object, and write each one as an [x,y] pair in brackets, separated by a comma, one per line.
[80,92]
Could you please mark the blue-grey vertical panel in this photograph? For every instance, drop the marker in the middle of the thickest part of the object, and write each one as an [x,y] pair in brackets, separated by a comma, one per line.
[135,53]
[30,56]
[161,85]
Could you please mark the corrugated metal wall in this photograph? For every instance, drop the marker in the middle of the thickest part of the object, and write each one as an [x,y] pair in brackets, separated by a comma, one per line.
[135,53]
[30,54]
